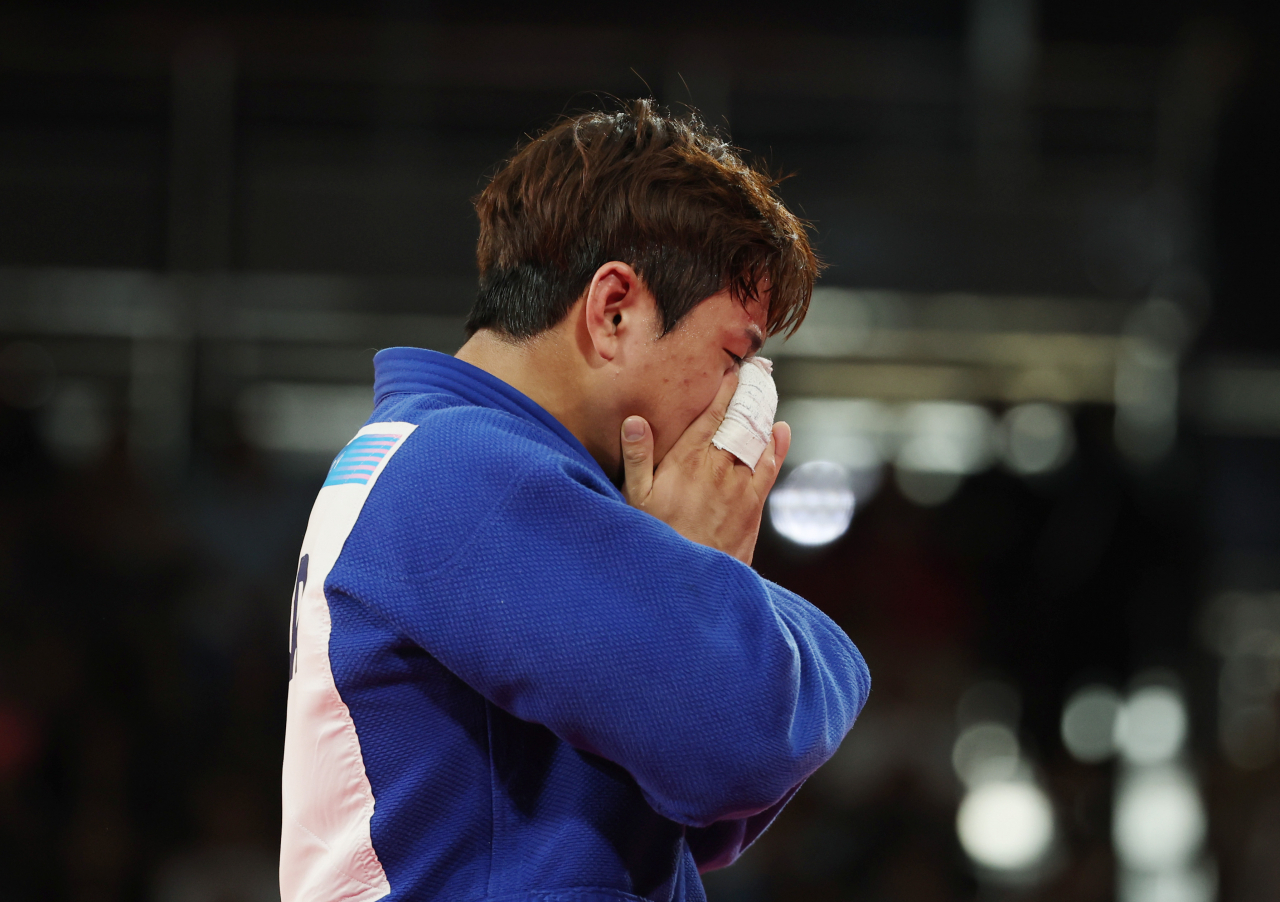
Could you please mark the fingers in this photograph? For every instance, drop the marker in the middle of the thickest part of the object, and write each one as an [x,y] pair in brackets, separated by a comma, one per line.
[781,442]
[704,427]
[637,460]
[770,464]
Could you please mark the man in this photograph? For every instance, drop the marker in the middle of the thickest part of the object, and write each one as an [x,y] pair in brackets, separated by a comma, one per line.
[510,679]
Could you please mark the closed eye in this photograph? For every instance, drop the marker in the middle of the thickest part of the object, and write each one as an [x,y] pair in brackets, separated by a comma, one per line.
[736,358]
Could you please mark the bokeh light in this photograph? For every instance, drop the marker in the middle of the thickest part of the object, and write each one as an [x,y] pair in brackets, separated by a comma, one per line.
[814,505]
[1198,884]
[941,443]
[1089,723]
[1152,725]
[1159,821]
[984,752]
[1035,438]
[856,433]
[1006,825]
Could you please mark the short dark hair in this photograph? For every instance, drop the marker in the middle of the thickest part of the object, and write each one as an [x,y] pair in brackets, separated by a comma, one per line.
[664,194]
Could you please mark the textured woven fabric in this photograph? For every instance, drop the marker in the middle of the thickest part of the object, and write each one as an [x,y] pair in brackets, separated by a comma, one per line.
[557,697]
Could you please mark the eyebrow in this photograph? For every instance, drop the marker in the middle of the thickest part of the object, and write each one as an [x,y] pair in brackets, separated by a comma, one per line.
[752,334]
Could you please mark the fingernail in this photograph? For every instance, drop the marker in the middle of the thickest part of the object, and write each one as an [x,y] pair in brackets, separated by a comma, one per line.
[633,429]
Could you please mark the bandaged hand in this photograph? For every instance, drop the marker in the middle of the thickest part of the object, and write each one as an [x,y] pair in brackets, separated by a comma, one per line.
[748,423]
[704,492]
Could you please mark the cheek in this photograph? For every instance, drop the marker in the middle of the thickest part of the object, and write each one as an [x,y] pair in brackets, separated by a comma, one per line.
[679,388]
[682,393]
[698,389]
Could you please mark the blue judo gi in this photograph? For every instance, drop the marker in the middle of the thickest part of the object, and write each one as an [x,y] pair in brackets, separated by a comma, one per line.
[507,684]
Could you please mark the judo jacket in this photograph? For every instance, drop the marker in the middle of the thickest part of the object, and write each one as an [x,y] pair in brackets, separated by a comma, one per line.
[508,685]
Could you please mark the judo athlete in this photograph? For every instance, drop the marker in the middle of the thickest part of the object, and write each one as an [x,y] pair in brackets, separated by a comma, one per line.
[529,658]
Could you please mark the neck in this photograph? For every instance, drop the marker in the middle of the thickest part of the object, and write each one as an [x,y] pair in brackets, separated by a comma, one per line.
[547,369]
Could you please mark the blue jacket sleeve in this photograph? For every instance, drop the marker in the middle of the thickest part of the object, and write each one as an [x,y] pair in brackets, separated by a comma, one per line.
[718,691]
[720,844]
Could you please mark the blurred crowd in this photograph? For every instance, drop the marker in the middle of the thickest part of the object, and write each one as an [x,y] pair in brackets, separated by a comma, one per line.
[141,674]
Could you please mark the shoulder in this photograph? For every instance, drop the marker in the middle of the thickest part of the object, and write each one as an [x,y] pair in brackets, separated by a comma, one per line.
[456,472]
[452,433]
[483,446]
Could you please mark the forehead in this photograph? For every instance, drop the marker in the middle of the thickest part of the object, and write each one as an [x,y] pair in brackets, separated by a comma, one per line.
[725,311]
[722,322]
[750,322]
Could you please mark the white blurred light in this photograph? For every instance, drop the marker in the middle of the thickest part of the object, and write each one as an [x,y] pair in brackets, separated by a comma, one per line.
[1036,438]
[945,437]
[984,752]
[1159,822]
[934,445]
[1006,825]
[1182,885]
[1089,723]
[941,442]
[814,505]
[853,432]
[1152,725]
[298,417]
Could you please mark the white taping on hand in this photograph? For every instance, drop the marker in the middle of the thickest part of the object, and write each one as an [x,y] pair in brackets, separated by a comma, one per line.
[748,423]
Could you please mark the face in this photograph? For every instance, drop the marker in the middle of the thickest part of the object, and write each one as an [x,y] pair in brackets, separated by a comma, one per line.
[672,379]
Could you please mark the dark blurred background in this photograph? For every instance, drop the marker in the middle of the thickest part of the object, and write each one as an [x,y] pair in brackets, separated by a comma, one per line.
[1041,379]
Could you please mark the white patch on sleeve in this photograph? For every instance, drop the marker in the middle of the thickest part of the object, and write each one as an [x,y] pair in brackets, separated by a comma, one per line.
[748,423]
[326,850]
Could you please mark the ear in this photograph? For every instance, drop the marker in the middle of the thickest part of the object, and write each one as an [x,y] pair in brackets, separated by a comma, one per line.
[615,308]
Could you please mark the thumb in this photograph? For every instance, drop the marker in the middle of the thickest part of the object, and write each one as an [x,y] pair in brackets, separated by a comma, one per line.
[637,460]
